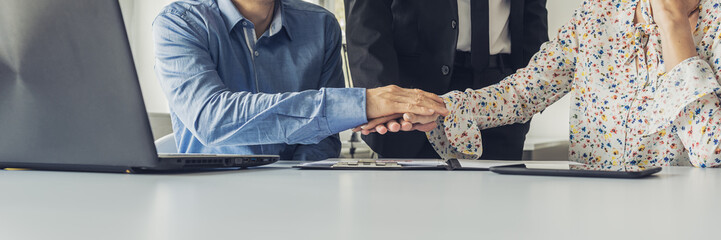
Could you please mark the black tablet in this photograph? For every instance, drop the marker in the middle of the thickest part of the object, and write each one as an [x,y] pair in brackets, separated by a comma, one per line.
[580,171]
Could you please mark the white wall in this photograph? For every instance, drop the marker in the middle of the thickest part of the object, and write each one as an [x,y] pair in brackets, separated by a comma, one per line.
[139,14]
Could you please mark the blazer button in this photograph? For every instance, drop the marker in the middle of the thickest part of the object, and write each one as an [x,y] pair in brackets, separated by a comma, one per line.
[445,70]
[453,24]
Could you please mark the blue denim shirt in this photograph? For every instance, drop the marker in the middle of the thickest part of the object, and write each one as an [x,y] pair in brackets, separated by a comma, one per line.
[285,97]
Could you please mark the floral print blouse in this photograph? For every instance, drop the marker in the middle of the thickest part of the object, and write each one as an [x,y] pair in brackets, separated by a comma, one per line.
[626,108]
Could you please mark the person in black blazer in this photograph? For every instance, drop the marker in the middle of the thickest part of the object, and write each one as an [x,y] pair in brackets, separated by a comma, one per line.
[433,46]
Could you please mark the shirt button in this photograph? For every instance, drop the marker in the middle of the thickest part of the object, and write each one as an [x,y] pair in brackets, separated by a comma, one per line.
[256,53]
[245,24]
[445,70]
[453,24]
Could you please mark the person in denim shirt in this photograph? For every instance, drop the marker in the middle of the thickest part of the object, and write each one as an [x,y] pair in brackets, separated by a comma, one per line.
[264,77]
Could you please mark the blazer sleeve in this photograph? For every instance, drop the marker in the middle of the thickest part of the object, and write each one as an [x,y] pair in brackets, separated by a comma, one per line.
[369,34]
[535,27]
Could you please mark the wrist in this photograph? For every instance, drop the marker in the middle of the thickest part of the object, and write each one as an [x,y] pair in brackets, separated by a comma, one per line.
[673,23]
[675,30]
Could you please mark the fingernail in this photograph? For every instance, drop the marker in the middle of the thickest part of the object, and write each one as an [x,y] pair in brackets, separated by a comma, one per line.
[364,126]
[406,116]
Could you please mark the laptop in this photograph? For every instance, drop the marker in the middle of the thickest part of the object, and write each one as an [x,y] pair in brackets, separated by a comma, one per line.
[70,97]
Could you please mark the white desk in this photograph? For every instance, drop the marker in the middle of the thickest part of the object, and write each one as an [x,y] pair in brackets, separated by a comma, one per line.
[278,202]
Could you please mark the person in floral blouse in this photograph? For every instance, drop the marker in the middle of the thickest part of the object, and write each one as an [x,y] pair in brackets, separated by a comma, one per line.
[643,78]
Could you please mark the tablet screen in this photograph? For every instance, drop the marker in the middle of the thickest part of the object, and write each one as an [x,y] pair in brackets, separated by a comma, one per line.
[617,168]
[585,167]
[578,170]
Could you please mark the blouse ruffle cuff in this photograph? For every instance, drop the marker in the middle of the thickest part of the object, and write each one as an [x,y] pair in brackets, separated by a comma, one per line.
[687,82]
[457,135]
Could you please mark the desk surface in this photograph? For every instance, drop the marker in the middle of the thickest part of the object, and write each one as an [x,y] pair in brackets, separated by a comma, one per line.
[277,202]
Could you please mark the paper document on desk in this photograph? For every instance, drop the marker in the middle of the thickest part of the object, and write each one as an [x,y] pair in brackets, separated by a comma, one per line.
[469,164]
[404,164]
[562,165]
[379,164]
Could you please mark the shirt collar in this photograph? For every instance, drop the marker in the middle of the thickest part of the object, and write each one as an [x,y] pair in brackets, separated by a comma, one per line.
[232,17]
[277,23]
[282,20]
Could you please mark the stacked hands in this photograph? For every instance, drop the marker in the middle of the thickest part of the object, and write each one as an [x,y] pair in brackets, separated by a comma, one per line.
[392,109]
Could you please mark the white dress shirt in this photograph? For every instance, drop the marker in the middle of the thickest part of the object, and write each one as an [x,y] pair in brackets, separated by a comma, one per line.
[499,37]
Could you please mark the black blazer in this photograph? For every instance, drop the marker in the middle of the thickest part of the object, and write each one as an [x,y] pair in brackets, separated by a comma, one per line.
[412,43]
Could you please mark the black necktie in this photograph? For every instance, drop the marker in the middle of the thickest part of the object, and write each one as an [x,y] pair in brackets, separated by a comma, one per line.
[479,34]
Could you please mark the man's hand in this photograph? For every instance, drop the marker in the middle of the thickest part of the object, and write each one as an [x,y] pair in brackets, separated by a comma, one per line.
[394,109]
[389,100]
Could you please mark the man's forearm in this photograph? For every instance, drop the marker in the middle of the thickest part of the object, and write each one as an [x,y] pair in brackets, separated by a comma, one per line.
[243,118]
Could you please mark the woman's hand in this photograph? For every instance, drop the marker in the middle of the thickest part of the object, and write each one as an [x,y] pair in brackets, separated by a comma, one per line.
[389,100]
[390,109]
[666,12]
[676,20]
